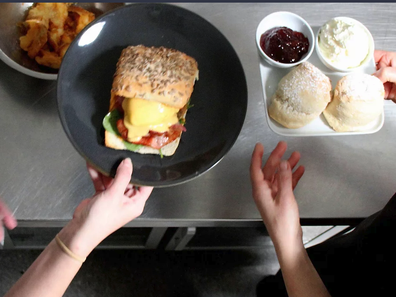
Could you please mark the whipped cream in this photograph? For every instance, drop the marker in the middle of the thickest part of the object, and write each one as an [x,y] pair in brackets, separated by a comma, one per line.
[344,43]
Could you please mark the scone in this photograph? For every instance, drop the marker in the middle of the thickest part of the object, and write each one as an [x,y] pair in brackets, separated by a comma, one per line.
[358,100]
[301,97]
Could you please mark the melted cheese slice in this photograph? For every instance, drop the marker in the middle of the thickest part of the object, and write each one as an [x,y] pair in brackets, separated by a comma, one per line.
[142,115]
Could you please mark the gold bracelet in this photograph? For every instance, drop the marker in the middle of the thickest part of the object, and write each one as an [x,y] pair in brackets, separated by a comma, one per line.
[67,251]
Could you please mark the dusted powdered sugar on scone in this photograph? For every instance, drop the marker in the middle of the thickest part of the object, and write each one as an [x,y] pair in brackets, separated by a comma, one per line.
[301,96]
[358,100]
[159,74]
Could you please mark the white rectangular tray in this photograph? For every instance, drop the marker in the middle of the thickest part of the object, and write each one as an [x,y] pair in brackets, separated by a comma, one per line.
[270,77]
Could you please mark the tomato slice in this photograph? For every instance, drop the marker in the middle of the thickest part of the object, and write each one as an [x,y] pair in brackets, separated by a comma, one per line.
[122,129]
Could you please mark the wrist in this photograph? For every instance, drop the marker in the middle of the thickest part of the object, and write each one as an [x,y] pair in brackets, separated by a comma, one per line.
[289,250]
[286,238]
[72,235]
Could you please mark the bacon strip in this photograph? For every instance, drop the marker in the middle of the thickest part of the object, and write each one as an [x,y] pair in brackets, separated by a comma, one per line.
[118,103]
[122,129]
[154,139]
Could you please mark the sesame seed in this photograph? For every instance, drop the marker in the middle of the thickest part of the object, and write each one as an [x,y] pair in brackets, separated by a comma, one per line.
[160,67]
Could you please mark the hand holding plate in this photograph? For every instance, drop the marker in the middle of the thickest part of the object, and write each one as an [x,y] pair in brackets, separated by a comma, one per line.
[115,203]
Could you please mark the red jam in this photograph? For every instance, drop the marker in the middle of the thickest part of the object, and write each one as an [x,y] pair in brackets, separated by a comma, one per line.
[284,45]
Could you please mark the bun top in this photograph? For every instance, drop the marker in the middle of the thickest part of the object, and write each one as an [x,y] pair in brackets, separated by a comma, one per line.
[157,74]
[301,96]
[358,100]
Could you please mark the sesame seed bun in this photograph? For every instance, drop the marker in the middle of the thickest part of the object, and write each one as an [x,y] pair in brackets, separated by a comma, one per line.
[157,74]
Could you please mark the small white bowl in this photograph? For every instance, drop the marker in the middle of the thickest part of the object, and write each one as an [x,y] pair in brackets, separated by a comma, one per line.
[331,65]
[292,21]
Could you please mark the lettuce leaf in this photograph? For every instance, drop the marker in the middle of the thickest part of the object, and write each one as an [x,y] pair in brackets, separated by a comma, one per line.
[110,124]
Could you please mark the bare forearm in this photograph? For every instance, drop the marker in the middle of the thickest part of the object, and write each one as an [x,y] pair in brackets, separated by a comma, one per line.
[300,276]
[51,273]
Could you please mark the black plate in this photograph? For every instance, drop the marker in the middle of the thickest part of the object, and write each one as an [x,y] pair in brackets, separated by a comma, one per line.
[219,98]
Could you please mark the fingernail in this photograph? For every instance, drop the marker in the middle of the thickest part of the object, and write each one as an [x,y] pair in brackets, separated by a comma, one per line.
[283,165]
[127,162]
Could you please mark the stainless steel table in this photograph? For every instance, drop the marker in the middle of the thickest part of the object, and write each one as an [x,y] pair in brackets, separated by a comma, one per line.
[43,179]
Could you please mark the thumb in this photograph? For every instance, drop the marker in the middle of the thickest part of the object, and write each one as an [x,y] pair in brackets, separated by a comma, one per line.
[386,74]
[285,181]
[122,177]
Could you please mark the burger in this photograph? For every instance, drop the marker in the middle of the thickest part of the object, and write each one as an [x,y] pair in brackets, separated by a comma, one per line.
[149,100]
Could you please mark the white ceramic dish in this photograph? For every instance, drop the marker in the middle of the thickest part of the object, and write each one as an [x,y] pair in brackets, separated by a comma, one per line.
[292,21]
[333,67]
[270,77]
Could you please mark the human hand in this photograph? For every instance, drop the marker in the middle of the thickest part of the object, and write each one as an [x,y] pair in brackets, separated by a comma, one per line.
[386,72]
[6,218]
[115,203]
[273,187]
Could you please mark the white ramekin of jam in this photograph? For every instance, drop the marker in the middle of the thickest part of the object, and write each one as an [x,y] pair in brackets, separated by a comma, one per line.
[284,39]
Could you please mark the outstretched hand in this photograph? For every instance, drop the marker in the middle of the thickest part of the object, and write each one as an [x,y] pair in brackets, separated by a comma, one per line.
[115,203]
[386,72]
[273,186]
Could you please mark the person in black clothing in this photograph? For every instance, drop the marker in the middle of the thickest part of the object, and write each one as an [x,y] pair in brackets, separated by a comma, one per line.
[360,263]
